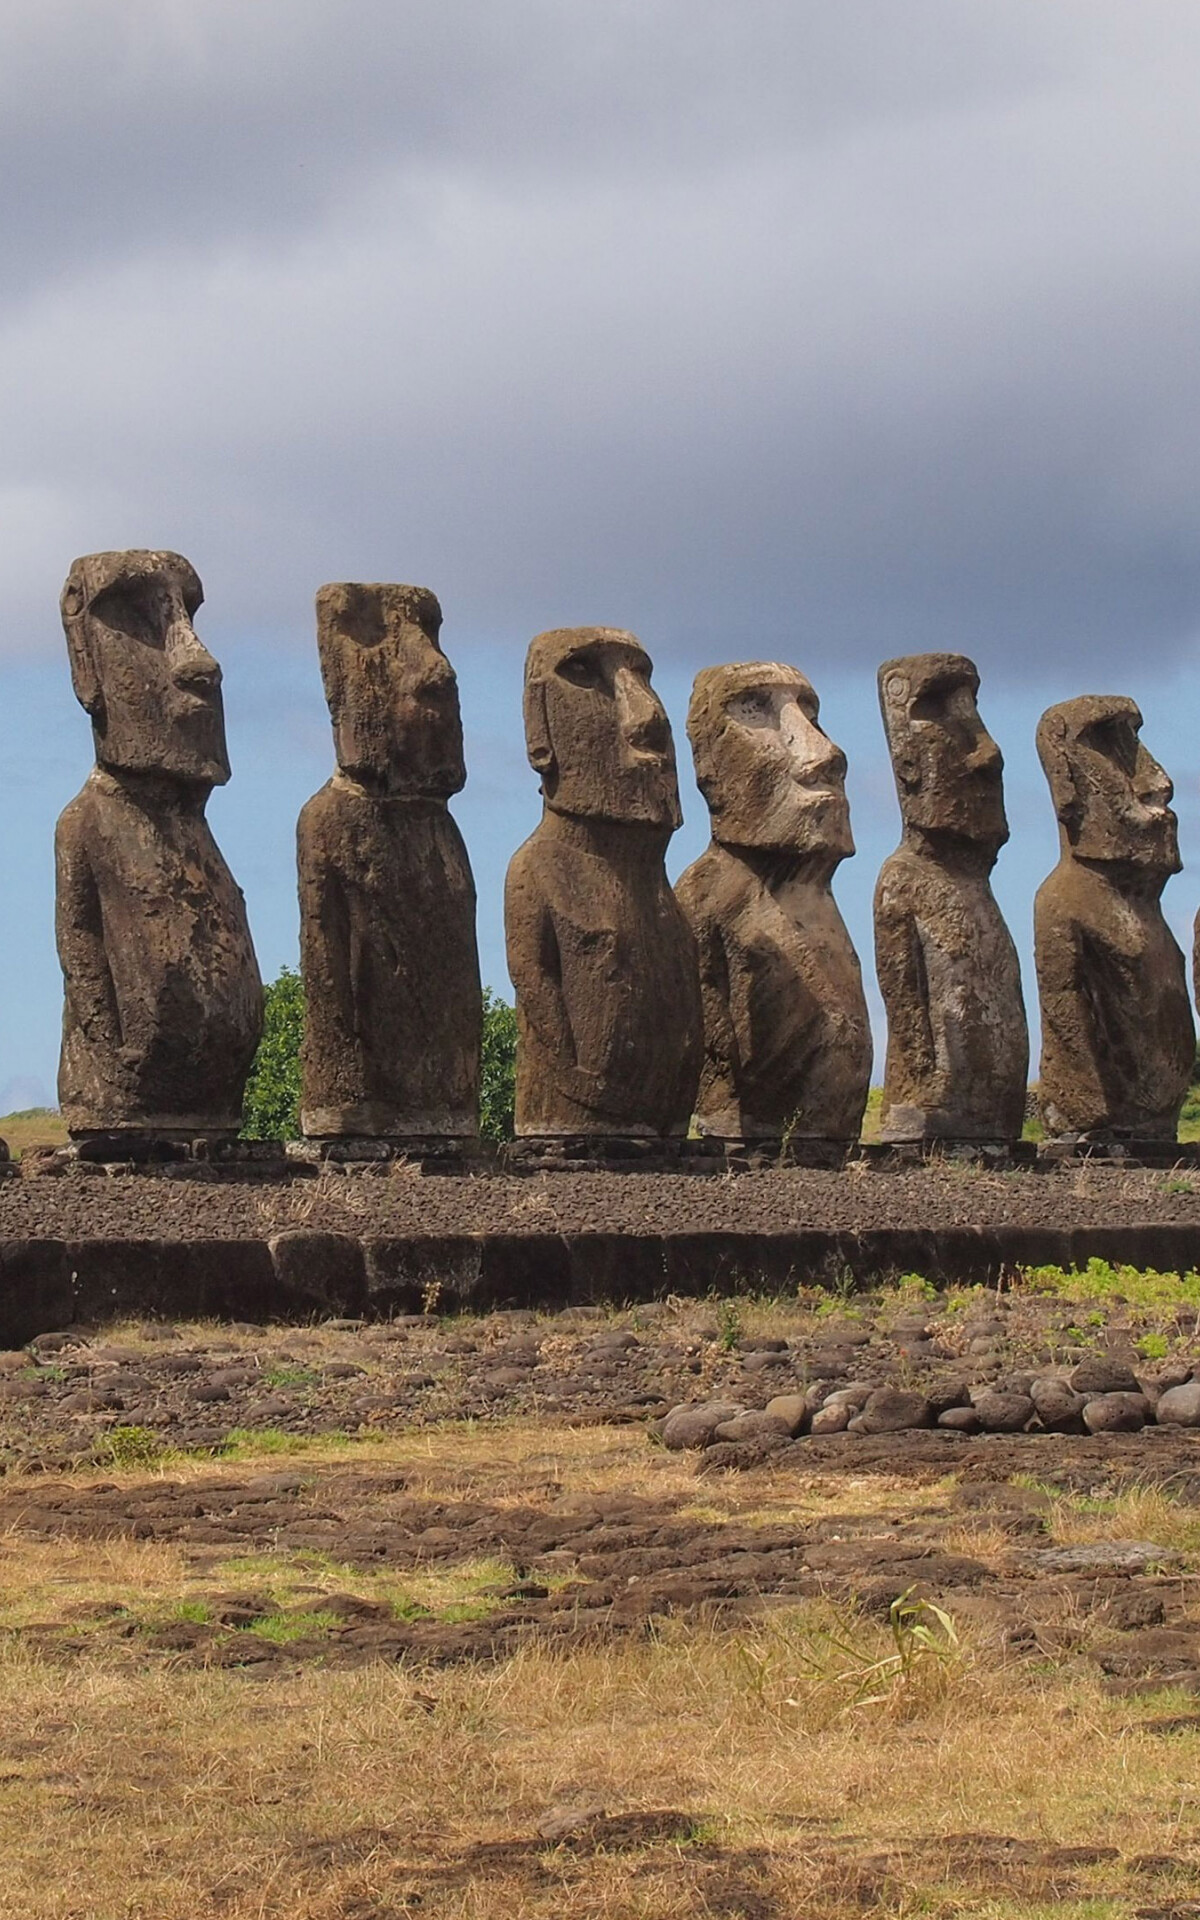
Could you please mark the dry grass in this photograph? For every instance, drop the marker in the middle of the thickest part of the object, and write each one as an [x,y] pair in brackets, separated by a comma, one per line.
[803,1761]
[33,1127]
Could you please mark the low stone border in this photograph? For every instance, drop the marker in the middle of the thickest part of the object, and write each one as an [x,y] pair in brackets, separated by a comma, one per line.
[46,1284]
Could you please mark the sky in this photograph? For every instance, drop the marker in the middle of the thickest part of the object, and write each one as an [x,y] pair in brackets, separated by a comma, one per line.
[773,330]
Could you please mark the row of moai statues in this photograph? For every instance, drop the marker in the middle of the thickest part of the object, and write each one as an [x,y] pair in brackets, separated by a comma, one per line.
[732,1003]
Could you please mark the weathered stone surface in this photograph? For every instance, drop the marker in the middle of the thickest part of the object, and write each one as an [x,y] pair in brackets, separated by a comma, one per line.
[1118,1041]
[610,1026]
[1116,1413]
[1180,1406]
[694,1424]
[1099,1374]
[163,1001]
[787,1037]
[789,1407]
[1003,1412]
[958,1047]
[387,901]
[892,1410]
[1059,1409]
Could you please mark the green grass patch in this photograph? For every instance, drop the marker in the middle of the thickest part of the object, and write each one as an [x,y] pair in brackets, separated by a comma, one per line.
[282,1628]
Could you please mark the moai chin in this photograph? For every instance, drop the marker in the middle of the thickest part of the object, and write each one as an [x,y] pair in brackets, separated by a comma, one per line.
[393,1008]
[786,1033]
[1117,1036]
[609,1022]
[163,1005]
[958,1046]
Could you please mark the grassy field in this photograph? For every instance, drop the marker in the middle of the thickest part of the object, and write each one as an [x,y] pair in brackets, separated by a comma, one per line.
[800,1759]
[32,1127]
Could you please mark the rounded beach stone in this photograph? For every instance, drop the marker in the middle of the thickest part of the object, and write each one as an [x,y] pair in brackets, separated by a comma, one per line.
[695,1423]
[792,1408]
[1116,1413]
[960,1419]
[751,1426]
[1099,1374]
[893,1410]
[1180,1406]
[1003,1412]
[833,1418]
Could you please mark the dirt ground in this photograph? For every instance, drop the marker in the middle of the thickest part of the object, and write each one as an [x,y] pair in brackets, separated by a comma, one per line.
[348,1623]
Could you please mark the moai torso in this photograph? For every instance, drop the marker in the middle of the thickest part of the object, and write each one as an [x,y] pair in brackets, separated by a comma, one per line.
[393,1005]
[786,1034]
[1118,1042]
[387,915]
[609,1023]
[958,1045]
[958,1048]
[163,1001]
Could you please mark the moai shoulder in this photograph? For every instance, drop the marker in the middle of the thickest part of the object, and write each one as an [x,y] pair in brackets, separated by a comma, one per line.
[163,1001]
[610,1032]
[787,1037]
[387,902]
[958,1046]
[1118,1042]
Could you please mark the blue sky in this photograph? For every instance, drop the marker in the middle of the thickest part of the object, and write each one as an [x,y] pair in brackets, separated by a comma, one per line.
[777,331]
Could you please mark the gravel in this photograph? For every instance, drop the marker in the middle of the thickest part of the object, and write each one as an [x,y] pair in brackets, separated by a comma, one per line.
[83,1206]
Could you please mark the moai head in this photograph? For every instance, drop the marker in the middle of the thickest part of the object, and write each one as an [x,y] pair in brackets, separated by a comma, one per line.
[596,731]
[390,688]
[152,690]
[1112,799]
[949,771]
[771,776]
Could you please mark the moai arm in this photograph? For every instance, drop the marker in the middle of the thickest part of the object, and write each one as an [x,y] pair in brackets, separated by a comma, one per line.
[1068,1027]
[79,933]
[326,938]
[722,1063]
[535,966]
[904,984]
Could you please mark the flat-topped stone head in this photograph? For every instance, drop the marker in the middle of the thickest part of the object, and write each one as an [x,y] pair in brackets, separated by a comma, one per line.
[595,730]
[771,776]
[153,691]
[392,693]
[1112,798]
[949,770]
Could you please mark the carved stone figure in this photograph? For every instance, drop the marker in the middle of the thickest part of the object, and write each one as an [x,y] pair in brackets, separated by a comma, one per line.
[786,1034]
[1117,1035]
[958,1047]
[163,998]
[387,903]
[610,1029]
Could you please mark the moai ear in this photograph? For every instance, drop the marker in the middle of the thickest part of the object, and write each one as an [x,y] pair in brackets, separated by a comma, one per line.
[84,678]
[537,731]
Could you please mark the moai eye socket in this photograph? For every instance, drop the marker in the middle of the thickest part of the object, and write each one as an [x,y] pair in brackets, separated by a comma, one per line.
[134,608]
[583,670]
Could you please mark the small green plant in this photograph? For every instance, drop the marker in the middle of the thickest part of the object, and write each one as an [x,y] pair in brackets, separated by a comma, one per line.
[729,1325]
[916,1286]
[1154,1346]
[130,1447]
[284,1375]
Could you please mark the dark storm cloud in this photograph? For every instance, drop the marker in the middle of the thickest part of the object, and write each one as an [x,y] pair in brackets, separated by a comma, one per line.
[834,329]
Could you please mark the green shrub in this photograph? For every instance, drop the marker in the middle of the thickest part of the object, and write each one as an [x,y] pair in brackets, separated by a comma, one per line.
[498,1078]
[271,1110]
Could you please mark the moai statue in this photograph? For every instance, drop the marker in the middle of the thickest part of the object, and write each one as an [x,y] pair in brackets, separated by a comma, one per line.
[958,1047]
[786,1034]
[609,1022]
[163,998]
[1117,1035]
[393,1009]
